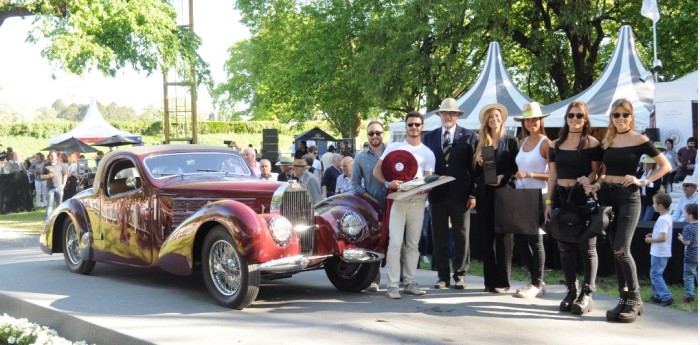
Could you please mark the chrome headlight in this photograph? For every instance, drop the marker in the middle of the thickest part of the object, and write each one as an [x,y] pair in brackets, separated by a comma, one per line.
[352,224]
[280,229]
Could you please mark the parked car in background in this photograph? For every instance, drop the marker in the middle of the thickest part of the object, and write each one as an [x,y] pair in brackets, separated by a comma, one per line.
[180,208]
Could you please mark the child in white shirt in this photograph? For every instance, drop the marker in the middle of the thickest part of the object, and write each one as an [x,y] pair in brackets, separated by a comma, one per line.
[660,240]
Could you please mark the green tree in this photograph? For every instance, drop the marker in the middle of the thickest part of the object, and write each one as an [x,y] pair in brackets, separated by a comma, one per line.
[109,35]
[352,60]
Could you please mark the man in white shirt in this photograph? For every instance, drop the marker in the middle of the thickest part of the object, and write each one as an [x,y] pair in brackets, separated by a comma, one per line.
[406,216]
[690,196]
[344,182]
[327,159]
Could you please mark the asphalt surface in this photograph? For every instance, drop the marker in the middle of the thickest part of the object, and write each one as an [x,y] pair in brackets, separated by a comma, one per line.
[117,305]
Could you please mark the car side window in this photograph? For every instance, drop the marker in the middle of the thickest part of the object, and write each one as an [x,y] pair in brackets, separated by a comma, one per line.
[123,178]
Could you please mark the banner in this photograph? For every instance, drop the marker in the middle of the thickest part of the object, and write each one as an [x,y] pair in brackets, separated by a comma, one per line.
[651,10]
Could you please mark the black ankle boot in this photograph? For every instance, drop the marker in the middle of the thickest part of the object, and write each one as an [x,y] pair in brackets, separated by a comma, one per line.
[571,290]
[613,313]
[633,307]
[584,302]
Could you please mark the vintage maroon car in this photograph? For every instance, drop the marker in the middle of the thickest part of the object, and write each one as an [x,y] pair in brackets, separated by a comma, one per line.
[180,208]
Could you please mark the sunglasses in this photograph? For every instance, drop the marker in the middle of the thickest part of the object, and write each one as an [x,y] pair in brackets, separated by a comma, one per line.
[375,133]
[414,124]
[576,115]
[688,185]
[617,115]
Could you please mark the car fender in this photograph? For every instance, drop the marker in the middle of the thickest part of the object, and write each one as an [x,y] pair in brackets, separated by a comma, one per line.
[52,234]
[248,229]
[331,211]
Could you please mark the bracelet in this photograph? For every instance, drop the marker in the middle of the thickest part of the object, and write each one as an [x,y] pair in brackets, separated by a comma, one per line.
[597,184]
[548,202]
[529,174]
[387,184]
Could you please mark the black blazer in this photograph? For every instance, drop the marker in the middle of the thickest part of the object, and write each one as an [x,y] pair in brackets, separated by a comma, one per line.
[505,163]
[458,166]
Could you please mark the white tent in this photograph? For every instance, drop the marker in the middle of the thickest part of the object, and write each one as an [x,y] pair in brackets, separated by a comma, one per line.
[93,128]
[492,86]
[676,104]
[621,79]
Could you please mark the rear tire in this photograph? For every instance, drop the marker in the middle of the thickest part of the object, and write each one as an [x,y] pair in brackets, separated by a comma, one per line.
[348,277]
[230,280]
[71,250]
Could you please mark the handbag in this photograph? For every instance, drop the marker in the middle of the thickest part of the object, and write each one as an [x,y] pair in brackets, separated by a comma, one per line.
[600,219]
[567,223]
[518,210]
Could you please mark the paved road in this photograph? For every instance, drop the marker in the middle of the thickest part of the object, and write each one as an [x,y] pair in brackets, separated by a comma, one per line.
[121,306]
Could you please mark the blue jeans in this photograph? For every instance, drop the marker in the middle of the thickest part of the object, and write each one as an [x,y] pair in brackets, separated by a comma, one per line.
[690,274]
[658,285]
[55,194]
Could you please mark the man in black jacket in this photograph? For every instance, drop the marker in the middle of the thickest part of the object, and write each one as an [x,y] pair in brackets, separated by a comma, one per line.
[454,148]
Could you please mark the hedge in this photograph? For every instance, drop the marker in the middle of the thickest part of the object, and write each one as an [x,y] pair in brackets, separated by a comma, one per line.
[42,130]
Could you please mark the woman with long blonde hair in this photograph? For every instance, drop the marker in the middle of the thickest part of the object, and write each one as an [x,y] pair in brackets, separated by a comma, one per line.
[498,247]
[619,187]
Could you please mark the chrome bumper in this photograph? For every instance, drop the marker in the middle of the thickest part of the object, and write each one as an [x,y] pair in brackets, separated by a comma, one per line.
[289,264]
[360,256]
[298,263]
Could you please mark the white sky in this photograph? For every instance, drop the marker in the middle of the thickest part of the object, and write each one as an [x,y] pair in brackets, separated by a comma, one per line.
[25,77]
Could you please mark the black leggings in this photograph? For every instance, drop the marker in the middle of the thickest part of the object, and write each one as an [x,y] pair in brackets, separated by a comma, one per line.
[531,251]
[568,252]
[626,204]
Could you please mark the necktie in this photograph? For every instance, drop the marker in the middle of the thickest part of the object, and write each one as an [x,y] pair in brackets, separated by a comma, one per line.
[446,145]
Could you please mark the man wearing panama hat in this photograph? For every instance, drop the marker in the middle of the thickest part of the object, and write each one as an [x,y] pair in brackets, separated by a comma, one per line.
[453,147]
[690,196]
[286,172]
[307,179]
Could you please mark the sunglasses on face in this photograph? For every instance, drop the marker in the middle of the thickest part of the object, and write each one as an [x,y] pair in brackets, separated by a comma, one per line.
[687,185]
[377,133]
[414,124]
[576,115]
[617,115]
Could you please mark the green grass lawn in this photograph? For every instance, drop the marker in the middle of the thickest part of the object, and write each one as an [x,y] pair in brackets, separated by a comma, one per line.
[27,222]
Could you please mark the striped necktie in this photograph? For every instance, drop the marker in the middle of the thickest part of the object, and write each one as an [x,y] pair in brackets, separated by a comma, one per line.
[446,145]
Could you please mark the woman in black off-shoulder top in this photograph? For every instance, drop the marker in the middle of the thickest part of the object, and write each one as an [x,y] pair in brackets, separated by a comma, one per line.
[574,161]
[618,187]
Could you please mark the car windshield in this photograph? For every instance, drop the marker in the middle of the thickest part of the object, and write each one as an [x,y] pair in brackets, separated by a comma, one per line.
[165,165]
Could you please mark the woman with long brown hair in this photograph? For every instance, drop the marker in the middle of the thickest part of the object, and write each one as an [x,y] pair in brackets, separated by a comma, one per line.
[532,159]
[618,187]
[574,161]
[498,247]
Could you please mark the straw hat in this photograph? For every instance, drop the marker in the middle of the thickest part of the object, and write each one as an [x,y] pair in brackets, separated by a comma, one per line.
[300,163]
[449,104]
[285,161]
[530,111]
[648,160]
[500,107]
[691,180]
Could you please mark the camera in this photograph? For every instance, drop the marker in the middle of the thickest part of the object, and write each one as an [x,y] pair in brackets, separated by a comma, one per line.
[657,66]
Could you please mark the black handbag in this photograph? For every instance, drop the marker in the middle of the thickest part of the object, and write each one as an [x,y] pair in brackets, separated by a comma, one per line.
[567,222]
[518,210]
[600,219]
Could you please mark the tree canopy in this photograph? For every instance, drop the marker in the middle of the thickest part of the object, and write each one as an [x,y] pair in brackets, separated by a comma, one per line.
[344,61]
[109,35]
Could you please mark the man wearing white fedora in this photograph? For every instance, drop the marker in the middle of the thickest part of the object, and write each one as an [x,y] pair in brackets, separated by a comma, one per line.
[453,147]
[690,196]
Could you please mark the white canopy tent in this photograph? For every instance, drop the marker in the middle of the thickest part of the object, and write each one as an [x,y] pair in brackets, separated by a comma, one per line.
[621,79]
[676,104]
[492,86]
[93,128]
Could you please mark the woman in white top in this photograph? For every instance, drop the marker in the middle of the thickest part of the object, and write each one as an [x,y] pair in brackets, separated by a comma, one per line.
[532,161]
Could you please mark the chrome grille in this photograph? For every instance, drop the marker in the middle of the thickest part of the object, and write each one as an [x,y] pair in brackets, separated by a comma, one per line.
[296,206]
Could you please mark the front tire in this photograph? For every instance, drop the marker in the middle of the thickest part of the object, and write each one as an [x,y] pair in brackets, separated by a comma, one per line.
[349,277]
[71,250]
[230,280]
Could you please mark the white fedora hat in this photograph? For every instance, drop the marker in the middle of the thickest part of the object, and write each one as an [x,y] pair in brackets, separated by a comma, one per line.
[450,104]
[531,110]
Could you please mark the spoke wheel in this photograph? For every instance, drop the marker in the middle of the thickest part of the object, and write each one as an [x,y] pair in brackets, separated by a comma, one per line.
[71,250]
[230,280]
